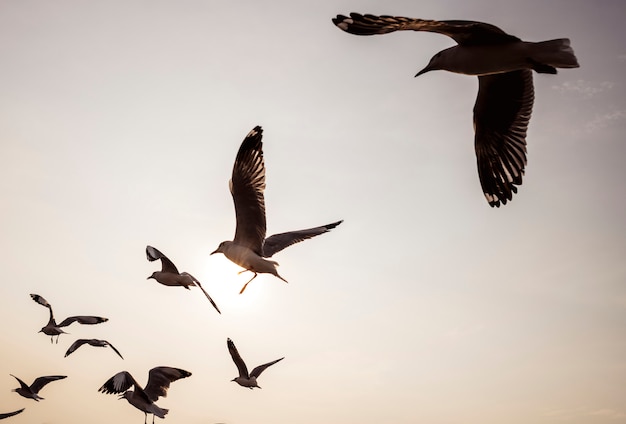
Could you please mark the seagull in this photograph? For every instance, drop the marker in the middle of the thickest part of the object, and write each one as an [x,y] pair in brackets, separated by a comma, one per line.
[503,64]
[53,329]
[169,275]
[32,391]
[10,414]
[245,379]
[159,380]
[249,248]
[93,342]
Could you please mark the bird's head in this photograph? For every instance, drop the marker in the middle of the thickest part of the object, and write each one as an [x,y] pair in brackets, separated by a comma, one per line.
[220,248]
[435,64]
[152,276]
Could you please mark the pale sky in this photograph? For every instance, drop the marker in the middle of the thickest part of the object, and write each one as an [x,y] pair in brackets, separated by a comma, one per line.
[119,126]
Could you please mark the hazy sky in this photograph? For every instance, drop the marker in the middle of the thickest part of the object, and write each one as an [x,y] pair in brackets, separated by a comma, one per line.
[119,125]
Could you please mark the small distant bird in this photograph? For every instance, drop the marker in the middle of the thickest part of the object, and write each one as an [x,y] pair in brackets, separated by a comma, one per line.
[245,379]
[53,329]
[249,247]
[159,380]
[169,275]
[503,64]
[10,414]
[32,391]
[93,342]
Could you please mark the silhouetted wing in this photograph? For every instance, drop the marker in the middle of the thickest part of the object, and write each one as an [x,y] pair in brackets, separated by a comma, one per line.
[501,115]
[277,242]
[258,370]
[195,280]
[114,349]
[10,414]
[40,300]
[42,381]
[119,383]
[78,343]
[241,365]
[463,32]
[154,254]
[22,384]
[93,342]
[246,186]
[159,380]
[82,319]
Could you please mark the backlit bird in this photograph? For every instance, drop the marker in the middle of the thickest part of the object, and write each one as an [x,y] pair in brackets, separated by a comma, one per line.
[53,329]
[249,248]
[92,342]
[10,414]
[169,275]
[32,391]
[159,380]
[503,64]
[245,379]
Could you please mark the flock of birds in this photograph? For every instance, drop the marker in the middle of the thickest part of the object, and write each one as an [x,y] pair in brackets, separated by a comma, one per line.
[503,64]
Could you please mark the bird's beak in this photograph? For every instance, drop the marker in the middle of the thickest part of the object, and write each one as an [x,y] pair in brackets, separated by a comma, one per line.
[423,71]
[215,251]
[149,277]
[120,397]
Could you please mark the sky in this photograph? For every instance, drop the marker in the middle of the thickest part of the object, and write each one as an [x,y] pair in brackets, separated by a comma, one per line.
[119,126]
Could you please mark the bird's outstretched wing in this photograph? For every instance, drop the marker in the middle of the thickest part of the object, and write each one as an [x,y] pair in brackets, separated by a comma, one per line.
[119,383]
[153,254]
[277,242]
[258,370]
[501,115]
[463,32]
[10,414]
[159,379]
[82,319]
[247,185]
[195,280]
[40,300]
[22,384]
[241,365]
[42,381]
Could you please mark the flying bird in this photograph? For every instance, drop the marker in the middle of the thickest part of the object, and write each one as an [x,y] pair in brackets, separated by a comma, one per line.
[249,248]
[10,414]
[93,342]
[245,379]
[32,391]
[169,275]
[503,64]
[53,329]
[159,380]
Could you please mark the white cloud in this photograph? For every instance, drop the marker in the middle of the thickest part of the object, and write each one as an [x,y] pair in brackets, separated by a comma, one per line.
[584,88]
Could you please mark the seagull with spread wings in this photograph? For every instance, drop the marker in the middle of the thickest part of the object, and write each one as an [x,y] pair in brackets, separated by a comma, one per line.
[53,329]
[169,275]
[503,64]
[92,342]
[32,391]
[245,379]
[159,379]
[249,248]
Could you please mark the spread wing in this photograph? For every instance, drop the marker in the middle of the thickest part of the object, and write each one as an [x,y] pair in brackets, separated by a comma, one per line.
[93,342]
[119,383]
[42,381]
[278,242]
[501,115]
[195,280]
[159,380]
[241,365]
[82,319]
[258,370]
[246,186]
[463,32]
[154,254]
[22,384]
[10,414]
[40,300]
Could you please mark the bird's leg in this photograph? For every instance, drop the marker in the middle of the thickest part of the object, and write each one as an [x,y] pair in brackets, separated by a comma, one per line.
[51,339]
[145,419]
[246,285]
[58,338]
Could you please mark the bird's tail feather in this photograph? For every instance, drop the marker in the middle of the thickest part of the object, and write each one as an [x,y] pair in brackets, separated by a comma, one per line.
[557,53]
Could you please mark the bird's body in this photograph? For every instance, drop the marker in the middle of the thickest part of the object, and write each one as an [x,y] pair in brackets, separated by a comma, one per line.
[159,379]
[504,65]
[53,329]
[92,342]
[32,391]
[246,379]
[249,249]
[169,275]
